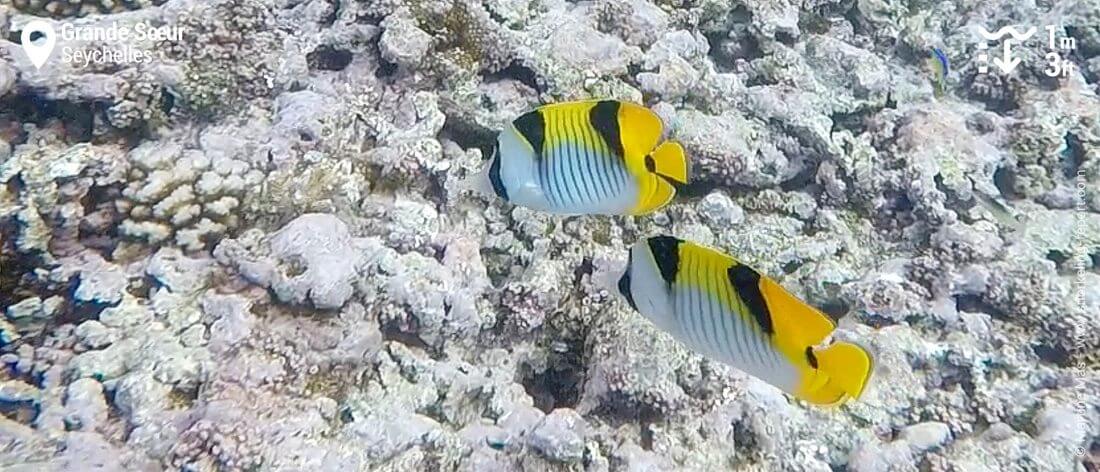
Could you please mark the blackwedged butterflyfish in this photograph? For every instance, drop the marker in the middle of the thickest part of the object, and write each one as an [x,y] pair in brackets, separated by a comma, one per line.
[584,157]
[729,312]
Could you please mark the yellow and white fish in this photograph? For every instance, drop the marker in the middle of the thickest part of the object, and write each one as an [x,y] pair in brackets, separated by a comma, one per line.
[729,312]
[585,157]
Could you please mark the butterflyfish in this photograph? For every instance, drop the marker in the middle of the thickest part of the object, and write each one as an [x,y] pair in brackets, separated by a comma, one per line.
[585,157]
[727,311]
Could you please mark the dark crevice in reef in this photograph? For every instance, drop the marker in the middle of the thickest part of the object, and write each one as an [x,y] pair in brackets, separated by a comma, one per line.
[80,121]
[23,412]
[786,38]
[855,17]
[803,181]
[101,200]
[817,20]
[552,388]
[618,411]
[519,72]
[835,309]
[386,70]
[77,118]
[557,386]
[1005,180]
[647,437]
[585,268]
[1073,155]
[855,121]
[330,18]
[75,312]
[791,266]
[17,271]
[746,442]
[725,50]
[975,304]
[328,58]
[436,192]
[142,288]
[392,331]
[369,19]
[1059,258]
[469,136]
[698,188]
[167,100]
[1053,354]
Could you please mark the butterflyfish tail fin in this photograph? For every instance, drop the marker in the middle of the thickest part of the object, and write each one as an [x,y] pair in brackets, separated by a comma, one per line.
[477,182]
[842,372]
[670,162]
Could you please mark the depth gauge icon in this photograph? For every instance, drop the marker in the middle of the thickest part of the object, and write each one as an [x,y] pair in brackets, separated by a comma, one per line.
[1005,62]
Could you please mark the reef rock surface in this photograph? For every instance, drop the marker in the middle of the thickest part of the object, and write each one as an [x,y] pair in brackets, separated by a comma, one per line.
[250,252]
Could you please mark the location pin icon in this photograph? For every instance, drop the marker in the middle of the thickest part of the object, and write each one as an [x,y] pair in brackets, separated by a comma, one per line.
[38,40]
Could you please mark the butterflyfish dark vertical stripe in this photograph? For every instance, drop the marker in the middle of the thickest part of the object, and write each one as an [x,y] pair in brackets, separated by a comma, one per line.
[683,309]
[689,314]
[729,323]
[592,142]
[554,165]
[556,171]
[666,252]
[609,162]
[702,311]
[608,166]
[758,339]
[588,171]
[572,182]
[579,173]
[531,126]
[694,313]
[605,119]
[714,307]
[620,170]
[747,331]
[592,156]
[569,177]
[699,290]
[494,176]
[747,283]
[547,178]
[704,308]
[624,282]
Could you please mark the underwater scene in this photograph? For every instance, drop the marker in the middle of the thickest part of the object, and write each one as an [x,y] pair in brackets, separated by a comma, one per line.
[550,235]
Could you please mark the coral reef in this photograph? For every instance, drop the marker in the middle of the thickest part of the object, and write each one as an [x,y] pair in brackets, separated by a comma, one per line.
[250,253]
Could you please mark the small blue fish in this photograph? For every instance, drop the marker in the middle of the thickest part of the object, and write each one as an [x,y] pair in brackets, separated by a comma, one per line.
[937,61]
